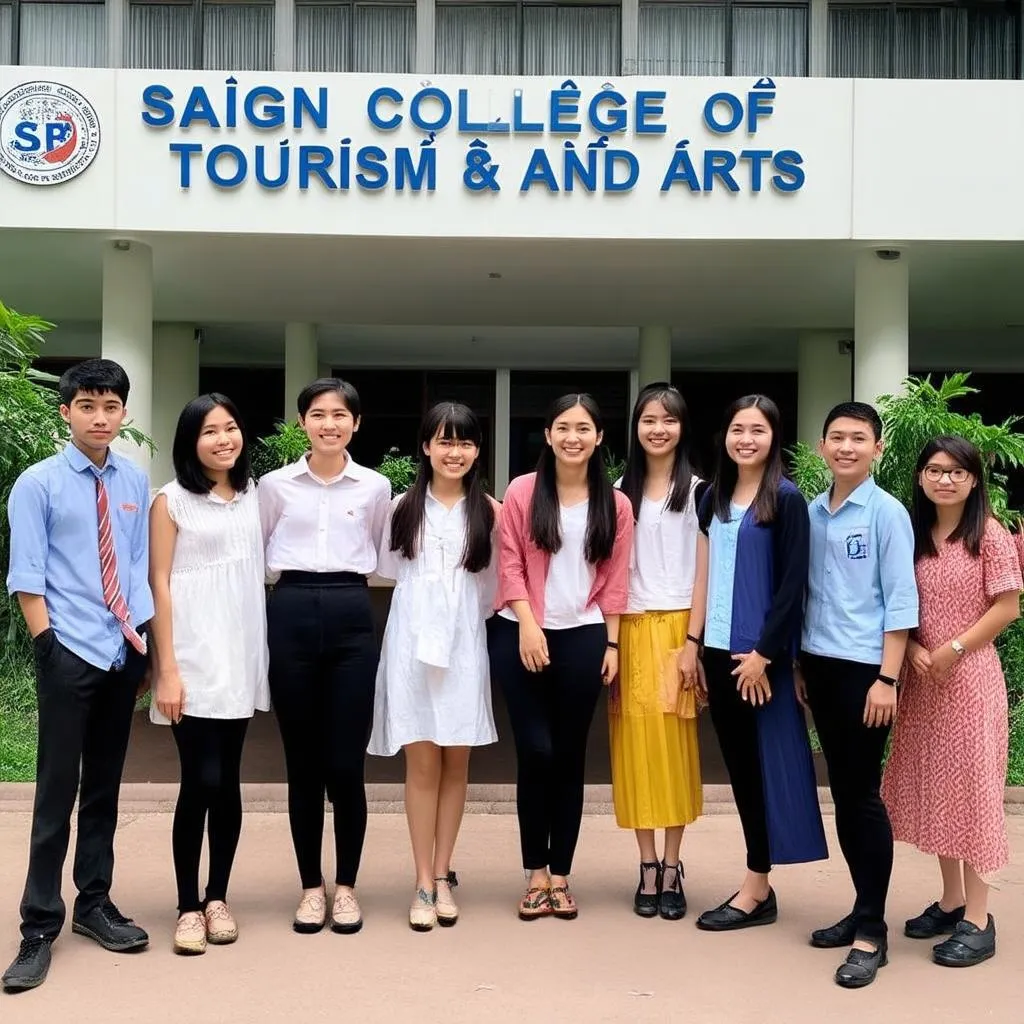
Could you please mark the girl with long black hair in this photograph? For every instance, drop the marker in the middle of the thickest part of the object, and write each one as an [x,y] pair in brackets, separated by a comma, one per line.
[566,537]
[433,684]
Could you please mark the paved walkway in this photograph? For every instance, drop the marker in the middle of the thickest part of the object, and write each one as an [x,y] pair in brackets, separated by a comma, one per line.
[607,966]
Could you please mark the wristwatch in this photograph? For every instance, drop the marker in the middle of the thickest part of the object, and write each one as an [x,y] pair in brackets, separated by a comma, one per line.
[958,648]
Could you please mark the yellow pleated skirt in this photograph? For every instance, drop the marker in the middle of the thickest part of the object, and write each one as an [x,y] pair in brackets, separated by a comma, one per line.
[652,726]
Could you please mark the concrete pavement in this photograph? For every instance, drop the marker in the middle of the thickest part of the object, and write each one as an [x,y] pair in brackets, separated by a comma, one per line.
[607,966]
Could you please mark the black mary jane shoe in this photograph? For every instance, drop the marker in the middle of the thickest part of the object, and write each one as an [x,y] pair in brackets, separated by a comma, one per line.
[932,922]
[671,901]
[728,918]
[842,933]
[645,904]
[967,946]
[861,966]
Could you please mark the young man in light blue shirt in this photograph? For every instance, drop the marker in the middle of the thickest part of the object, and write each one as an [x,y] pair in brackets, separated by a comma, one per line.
[80,570]
[861,605]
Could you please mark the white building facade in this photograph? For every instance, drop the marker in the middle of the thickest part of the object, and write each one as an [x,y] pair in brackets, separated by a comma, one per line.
[499,202]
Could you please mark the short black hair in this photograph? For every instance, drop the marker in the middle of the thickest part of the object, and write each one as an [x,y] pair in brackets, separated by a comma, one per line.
[324,385]
[188,469]
[855,411]
[94,376]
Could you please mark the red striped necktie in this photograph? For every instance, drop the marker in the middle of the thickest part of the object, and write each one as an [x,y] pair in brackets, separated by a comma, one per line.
[108,567]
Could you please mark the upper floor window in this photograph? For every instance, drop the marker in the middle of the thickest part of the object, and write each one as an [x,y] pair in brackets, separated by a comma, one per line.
[559,39]
[55,33]
[925,40]
[727,37]
[377,37]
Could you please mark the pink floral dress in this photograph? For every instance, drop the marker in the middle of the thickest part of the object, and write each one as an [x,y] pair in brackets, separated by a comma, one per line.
[944,783]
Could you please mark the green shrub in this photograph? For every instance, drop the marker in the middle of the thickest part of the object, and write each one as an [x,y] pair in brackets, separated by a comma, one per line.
[287,444]
[399,469]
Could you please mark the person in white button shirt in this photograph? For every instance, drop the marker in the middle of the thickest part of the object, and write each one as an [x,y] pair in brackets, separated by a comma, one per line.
[323,517]
[210,656]
[433,684]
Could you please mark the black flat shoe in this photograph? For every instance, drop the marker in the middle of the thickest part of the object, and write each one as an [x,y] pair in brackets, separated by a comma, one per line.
[672,902]
[30,966]
[934,921]
[967,946]
[728,918]
[842,933]
[861,966]
[106,925]
[645,904]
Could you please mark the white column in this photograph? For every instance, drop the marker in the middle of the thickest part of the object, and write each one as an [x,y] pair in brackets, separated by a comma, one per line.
[126,335]
[817,39]
[301,366]
[824,376]
[426,31]
[655,361]
[117,16]
[324,370]
[284,35]
[630,36]
[176,373]
[881,324]
[502,429]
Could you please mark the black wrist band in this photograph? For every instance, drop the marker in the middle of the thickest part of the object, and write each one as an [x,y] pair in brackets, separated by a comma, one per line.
[886,679]
[693,639]
[613,645]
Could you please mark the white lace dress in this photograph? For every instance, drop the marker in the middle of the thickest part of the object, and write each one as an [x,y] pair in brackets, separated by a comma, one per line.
[219,613]
[433,681]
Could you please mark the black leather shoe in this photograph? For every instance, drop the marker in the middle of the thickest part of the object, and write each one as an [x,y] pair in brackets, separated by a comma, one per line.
[842,933]
[672,902]
[646,903]
[967,946]
[30,966]
[727,918]
[934,921]
[111,929]
[861,966]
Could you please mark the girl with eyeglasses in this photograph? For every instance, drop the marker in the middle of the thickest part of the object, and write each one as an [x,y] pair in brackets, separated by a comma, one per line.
[944,782]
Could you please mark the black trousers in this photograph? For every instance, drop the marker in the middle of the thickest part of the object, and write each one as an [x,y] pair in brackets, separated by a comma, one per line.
[85,719]
[210,753]
[735,722]
[323,666]
[551,713]
[837,691]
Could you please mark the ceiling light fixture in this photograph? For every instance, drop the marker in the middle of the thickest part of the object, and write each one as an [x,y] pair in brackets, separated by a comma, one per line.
[494,275]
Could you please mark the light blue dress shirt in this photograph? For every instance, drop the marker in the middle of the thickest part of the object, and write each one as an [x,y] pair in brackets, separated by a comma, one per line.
[723,540]
[861,576]
[55,549]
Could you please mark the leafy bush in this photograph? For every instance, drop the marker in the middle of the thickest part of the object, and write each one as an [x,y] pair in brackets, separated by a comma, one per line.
[399,469]
[288,443]
[614,467]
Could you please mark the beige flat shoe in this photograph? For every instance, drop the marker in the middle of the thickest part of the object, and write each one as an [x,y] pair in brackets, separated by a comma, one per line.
[311,914]
[221,929]
[190,934]
[423,913]
[447,908]
[346,917]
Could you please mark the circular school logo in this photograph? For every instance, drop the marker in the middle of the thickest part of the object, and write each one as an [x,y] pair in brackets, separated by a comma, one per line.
[49,133]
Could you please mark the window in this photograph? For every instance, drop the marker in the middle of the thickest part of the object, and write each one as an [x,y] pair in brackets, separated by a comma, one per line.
[61,34]
[6,38]
[161,35]
[723,38]
[979,40]
[570,40]
[238,36]
[355,37]
[477,39]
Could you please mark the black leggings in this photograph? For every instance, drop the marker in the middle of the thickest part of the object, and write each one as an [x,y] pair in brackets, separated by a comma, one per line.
[550,712]
[323,666]
[210,752]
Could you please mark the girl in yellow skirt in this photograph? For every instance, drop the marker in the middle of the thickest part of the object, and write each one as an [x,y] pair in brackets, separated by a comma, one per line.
[655,760]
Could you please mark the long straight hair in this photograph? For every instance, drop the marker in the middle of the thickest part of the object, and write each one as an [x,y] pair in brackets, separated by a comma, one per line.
[188,469]
[635,474]
[727,472]
[453,422]
[971,528]
[545,525]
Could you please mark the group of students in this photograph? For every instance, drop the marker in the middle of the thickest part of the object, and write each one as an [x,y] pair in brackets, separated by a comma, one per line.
[671,591]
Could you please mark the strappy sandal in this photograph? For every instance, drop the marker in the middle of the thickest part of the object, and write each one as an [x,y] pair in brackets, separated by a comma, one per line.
[536,902]
[563,904]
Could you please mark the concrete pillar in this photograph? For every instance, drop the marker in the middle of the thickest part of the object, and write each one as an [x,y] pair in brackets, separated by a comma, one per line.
[655,361]
[502,429]
[824,368]
[284,35]
[126,335]
[301,366]
[426,34]
[176,371]
[324,370]
[117,17]
[817,39]
[630,36]
[881,324]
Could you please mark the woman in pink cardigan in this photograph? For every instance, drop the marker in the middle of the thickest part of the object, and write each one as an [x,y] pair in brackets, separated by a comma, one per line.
[565,540]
